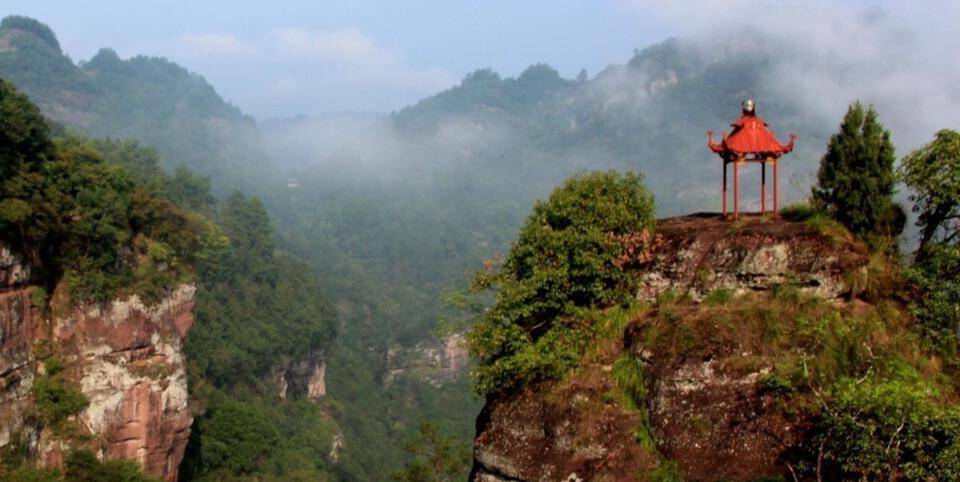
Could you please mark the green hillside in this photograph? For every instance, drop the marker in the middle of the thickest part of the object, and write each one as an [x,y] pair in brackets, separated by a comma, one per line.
[146,98]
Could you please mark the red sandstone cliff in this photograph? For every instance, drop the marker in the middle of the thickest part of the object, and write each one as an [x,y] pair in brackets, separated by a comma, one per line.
[124,355]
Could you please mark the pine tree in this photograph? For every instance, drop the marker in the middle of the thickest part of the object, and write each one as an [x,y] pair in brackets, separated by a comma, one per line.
[856,178]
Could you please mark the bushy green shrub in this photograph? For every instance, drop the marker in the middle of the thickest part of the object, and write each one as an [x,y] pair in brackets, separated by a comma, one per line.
[55,397]
[567,257]
[874,429]
[83,466]
[936,297]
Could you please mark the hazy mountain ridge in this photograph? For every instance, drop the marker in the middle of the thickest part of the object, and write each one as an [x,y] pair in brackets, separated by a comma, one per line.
[147,98]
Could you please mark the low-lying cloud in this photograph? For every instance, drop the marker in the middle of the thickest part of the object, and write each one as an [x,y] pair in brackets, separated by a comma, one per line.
[349,45]
[217,43]
[296,70]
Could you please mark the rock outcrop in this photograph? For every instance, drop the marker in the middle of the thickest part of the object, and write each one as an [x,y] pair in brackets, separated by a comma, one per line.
[565,432]
[435,361]
[698,254]
[17,330]
[705,409]
[306,377]
[125,357]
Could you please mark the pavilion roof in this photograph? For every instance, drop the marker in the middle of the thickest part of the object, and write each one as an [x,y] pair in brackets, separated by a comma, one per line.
[750,136]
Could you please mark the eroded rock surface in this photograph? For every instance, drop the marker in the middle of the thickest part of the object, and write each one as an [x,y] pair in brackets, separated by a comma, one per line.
[569,431]
[707,410]
[436,361]
[698,254]
[124,355]
[304,378]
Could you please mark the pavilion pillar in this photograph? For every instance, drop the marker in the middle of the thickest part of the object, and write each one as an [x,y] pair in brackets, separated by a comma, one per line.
[776,182]
[763,187]
[724,188]
[736,188]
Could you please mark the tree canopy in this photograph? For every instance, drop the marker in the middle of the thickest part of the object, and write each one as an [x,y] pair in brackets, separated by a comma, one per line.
[566,258]
[87,221]
[856,179]
[933,174]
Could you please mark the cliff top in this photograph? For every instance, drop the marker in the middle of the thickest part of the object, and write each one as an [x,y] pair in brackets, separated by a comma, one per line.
[754,349]
[702,252]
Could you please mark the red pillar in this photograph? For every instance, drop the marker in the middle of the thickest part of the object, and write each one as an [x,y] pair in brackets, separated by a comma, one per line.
[724,188]
[736,189]
[763,187]
[775,184]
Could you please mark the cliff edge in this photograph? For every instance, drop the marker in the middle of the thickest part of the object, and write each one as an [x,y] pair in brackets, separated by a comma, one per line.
[717,371]
[123,355]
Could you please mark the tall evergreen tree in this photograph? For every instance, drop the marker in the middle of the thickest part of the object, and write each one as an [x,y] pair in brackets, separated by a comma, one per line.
[856,177]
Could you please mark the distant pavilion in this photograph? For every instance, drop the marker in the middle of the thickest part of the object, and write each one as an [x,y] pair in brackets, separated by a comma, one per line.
[750,141]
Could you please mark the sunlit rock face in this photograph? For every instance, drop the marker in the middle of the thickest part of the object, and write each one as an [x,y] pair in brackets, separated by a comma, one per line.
[306,377]
[707,410]
[131,368]
[698,254]
[436,361]
[124,355]
[16,334]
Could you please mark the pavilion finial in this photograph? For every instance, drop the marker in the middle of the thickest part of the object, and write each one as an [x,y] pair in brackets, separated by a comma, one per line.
[749,107]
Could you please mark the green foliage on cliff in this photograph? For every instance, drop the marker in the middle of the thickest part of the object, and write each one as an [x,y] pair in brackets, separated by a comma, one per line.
[856,180]
[255,310]
[83,466]
[79,466]
[103,217]
[569,257]
[936,297]
[876,399]
[873,428]
[87,221]
[237,437]
[55,396]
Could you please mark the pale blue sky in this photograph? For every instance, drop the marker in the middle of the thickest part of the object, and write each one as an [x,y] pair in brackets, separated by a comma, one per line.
[281,58]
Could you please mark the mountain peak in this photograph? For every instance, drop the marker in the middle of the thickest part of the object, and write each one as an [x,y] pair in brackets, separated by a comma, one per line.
[32,26]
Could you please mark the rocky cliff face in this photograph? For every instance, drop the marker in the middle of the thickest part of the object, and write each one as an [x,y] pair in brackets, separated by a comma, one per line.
[698,254]
[304,378]
[125,357]
[435,361]
[705,408]
[16,334]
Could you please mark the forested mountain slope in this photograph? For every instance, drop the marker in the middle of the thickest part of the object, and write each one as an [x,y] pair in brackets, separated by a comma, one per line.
[147,98]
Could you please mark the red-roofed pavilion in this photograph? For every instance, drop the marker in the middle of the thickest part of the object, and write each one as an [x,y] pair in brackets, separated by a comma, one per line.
[750,141]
